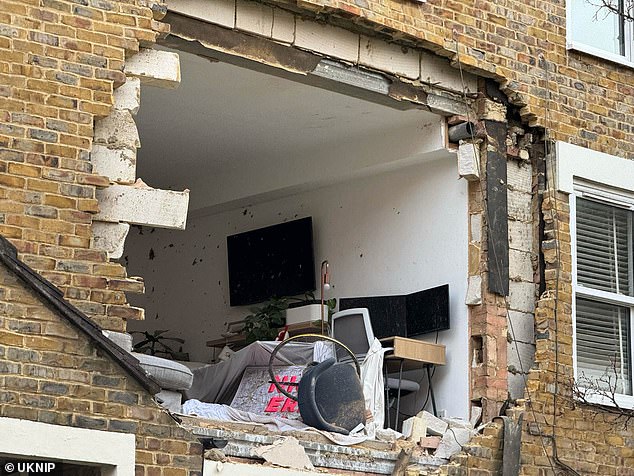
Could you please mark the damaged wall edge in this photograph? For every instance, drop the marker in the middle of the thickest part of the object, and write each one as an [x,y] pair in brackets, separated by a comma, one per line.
[261,54]
[497,209]
[329,455]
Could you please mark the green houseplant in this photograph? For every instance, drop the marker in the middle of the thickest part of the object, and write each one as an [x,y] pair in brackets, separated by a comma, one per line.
[155,343]
[265,321]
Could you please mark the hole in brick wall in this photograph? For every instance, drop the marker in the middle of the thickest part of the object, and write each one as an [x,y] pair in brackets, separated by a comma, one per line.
[477,350]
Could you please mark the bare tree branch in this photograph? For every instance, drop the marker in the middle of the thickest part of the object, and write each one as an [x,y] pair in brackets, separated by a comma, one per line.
[589,391]
[618,7]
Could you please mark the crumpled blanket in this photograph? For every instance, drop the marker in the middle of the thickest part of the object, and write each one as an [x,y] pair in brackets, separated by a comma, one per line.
[215,411]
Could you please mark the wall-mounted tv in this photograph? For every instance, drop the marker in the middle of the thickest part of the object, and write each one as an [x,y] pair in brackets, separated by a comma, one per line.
[274,261]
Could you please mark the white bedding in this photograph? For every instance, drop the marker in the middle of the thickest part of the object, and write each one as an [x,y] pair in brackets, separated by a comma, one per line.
[218,412]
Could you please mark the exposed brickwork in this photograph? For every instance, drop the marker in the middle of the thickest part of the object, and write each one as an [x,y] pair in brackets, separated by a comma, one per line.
[587,439]
[52,373]
[59,63]
[514,42]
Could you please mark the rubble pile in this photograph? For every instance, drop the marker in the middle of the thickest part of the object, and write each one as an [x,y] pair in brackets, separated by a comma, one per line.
[442,437]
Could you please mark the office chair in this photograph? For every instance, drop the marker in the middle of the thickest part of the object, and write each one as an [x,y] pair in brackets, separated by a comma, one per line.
[353,328]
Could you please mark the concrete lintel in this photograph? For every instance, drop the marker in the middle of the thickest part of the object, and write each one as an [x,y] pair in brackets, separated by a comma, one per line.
[333,41]
[469,161]
[222,12]
[155,68]
[117,131]
[127,97]
[378,54]
[262,54]
[143,206]
[119,165]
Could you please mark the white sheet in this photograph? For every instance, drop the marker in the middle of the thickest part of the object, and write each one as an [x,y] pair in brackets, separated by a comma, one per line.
[214,411]
[217,383]
[373,389]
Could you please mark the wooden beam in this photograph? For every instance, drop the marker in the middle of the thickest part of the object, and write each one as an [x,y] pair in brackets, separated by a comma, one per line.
[497,208]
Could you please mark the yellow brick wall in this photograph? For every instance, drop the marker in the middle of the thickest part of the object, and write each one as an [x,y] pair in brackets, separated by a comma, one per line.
[52,373]
[60,60]
[587,439]
[591,100]
[59,63]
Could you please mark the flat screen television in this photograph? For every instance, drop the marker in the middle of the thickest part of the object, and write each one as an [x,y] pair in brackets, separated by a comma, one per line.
[271,262]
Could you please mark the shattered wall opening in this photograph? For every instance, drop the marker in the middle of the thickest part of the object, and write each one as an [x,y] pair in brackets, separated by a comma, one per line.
[377,182]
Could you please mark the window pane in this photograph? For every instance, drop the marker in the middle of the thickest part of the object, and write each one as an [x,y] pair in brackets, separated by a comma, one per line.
[604,247]
[599,29]
[603,345]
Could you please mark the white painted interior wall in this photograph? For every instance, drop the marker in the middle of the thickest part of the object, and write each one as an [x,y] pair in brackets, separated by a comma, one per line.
[396,232]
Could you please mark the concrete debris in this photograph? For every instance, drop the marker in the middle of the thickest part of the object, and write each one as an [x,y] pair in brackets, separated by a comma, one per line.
[414,428]
[435,426]
[455,422]
[476,415]
[285,452]
[452,442]
[387,434]
[139,183]
[215,454]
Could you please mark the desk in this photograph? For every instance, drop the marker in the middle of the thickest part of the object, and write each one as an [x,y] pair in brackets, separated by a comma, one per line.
[410,354]
[238,341]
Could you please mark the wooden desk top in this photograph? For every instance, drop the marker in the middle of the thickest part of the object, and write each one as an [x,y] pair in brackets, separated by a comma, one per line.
[414,350]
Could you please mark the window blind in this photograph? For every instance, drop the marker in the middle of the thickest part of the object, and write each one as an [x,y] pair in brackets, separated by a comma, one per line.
[604,247]
[603,343]
[604,262]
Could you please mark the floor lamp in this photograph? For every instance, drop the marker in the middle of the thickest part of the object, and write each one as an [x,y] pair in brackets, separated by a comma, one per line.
[325,286]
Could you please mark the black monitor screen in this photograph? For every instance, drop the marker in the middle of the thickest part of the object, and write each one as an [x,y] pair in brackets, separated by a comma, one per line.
[405,315]
[270,262]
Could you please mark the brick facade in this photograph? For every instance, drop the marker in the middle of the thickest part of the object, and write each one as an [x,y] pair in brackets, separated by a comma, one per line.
[522,46]
[52,373]
[60,61]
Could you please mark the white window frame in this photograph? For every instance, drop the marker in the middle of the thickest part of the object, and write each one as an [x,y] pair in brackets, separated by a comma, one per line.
[622,200]
[611,176]
[572,44]
[29,440]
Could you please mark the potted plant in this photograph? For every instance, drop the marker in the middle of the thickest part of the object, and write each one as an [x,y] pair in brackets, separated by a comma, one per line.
[264,322]
[154,343]
[309,310]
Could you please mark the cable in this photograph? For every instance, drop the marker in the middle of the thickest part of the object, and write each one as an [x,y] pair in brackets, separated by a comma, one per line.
[553,193]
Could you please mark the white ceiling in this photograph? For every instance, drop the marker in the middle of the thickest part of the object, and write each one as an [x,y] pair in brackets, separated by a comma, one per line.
[225,118]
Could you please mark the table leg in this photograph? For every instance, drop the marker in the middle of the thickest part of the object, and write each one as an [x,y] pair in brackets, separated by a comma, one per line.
[387,396]
[431,390]
[398,395]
